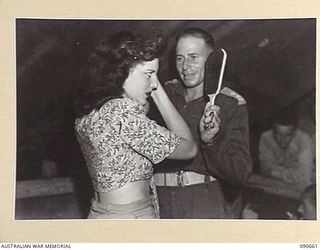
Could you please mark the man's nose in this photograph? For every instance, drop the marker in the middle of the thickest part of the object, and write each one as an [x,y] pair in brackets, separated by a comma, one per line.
[185,64]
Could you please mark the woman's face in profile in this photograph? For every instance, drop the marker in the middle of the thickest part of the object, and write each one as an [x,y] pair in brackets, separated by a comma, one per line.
[141,81]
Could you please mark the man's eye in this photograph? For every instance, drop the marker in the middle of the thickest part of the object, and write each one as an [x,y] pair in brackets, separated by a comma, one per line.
[148,75]
[178,59]
[192,58]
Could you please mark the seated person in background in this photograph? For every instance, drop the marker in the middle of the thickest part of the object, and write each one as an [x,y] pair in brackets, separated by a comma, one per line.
[285,152]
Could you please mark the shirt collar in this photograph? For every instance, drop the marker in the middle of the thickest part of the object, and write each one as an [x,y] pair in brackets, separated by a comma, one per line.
[180,92]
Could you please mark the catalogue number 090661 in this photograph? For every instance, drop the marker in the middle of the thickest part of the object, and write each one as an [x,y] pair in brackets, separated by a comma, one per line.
[308,246]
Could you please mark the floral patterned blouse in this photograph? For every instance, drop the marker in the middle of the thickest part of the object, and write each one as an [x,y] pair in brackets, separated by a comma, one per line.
[120,143]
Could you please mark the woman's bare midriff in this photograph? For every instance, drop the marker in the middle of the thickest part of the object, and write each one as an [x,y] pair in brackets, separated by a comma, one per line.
[130,192]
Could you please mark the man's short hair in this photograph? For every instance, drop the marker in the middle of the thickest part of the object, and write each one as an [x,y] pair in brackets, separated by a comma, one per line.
[199,33]
[286,116]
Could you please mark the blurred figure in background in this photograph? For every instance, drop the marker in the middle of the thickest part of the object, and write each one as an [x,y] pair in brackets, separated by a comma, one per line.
[306,210]
[285,152]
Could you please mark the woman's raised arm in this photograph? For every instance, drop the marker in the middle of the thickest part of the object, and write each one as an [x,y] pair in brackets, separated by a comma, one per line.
[187,148]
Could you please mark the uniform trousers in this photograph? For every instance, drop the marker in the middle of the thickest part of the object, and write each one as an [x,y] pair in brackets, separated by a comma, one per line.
[199,201]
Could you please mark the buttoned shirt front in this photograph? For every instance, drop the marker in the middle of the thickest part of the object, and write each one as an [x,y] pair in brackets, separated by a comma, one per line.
[228,157]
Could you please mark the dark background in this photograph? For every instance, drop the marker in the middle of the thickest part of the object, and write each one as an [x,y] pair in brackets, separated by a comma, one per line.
[271,61]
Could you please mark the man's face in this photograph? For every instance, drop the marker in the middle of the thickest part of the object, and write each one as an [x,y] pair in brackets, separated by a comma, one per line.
[283,134]
[191,56]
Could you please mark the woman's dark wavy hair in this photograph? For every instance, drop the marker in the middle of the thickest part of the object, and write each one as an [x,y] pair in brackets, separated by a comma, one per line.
[108,67]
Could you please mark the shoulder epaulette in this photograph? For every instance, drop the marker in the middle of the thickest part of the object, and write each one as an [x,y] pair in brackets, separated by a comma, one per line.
[229,92]
[173,81]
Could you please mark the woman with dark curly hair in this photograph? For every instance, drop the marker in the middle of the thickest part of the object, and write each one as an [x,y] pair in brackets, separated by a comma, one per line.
[120,144]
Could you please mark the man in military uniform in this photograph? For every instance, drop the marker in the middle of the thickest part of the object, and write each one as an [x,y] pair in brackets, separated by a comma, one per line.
[194,188]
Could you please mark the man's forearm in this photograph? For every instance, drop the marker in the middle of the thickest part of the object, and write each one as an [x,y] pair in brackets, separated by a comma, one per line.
[282,173]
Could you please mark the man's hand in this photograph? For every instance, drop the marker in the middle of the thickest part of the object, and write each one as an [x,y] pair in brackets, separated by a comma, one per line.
[209,123]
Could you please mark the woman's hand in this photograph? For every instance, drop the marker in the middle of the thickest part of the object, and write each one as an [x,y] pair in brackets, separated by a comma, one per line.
[158,91]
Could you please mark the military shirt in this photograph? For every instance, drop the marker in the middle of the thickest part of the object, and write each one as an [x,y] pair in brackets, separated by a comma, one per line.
[228,157]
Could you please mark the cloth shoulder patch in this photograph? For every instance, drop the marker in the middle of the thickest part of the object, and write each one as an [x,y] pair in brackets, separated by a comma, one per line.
[229,92]
[173,81]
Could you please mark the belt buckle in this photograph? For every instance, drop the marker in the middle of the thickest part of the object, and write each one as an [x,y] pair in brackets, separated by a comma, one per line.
[180,180]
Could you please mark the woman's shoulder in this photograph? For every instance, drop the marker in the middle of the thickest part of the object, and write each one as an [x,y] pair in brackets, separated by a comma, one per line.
[122,105]
[112,111]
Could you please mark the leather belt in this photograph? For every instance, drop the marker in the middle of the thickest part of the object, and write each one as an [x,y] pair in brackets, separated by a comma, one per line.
[180,179]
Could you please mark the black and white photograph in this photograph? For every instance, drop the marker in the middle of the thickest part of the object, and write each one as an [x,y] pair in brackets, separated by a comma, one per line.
[165,119]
